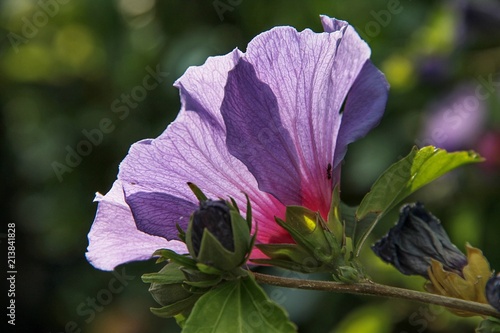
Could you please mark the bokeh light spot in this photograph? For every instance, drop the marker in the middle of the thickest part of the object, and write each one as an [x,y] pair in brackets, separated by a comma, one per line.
[33,62]
[399,71]
[74,45]
[136,7]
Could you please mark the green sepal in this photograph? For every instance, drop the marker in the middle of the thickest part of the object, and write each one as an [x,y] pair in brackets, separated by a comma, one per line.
[208,269]
[342,222]
[167,286]
[291,266]
[166,254]
[181,233]
[334,245]
[234,204]
[249,214]
[169,274]
[200,279]
[334,222]
[289,256]
[213,256]
[197,192]
[242,237]
[180,319]
[197,275]
[347,274]
[167,294]
[307,228]
[237,306]
[163,278]
[204,283]
[177,308]
[252,244]
[174,286]
[290,252]
[348,249]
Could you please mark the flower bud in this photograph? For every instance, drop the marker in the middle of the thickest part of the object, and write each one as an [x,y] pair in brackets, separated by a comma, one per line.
[308,229]
[416,240]
[317,248]
[167,294]
[214,216]
[218,236]
[493,291]
[418,245]
[168,289]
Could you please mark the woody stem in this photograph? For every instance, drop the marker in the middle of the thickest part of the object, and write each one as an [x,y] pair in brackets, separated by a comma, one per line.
[375,289]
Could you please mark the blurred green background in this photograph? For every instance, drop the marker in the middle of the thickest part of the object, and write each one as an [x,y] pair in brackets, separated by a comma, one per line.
[66,65]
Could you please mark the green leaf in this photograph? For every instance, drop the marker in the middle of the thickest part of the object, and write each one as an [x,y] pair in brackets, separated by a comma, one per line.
[348,217]
[237,306]
[403,178]
[490,325]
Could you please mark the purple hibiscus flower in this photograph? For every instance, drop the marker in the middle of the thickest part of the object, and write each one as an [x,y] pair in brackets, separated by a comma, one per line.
[273,123]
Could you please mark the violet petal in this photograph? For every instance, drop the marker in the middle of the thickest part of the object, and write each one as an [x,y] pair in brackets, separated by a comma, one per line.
[158,213]
[367,87]
[310,75]
[114,238]
[256,135]
[193,149]
[363,109]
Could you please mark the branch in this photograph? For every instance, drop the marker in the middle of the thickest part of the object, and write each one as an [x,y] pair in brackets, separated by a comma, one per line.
[375,289]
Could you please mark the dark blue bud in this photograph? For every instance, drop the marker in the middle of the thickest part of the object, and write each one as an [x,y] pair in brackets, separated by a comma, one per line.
[493,291]
[417,238]
[214,216]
